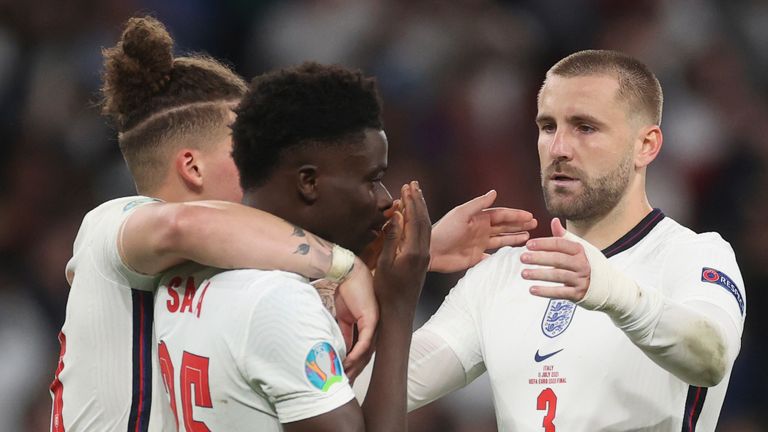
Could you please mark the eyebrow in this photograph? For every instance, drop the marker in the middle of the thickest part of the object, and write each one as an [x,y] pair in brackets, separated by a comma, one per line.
[574,119]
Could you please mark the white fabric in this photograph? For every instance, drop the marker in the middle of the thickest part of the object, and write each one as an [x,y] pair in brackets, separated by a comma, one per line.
[601,380]
[257,329]
[680,338]
[97,375]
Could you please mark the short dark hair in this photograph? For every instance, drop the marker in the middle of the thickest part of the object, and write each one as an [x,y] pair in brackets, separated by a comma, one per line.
[292,107]
[637,84]
[153,97]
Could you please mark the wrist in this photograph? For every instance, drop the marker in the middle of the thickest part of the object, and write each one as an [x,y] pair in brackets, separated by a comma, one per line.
[342,263]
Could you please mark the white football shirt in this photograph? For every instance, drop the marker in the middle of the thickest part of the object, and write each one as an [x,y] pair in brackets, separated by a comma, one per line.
[247,349]
[555,366]
[107,371]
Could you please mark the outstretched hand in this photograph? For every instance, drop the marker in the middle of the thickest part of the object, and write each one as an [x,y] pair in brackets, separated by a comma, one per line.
[566,263]
[461,238]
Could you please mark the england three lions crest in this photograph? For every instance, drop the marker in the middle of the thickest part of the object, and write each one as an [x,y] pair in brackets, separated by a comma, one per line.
[558,317]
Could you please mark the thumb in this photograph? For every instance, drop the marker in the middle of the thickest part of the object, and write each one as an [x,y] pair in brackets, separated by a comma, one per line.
[393,230]
[476,205]
[557,228]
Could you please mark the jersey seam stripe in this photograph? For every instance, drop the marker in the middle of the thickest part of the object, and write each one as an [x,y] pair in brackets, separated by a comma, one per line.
[693,406]
[57,388]
[138,420]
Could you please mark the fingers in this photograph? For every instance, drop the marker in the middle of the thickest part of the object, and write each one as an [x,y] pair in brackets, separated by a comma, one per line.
[396,206]
[558,292]
[508,239]
[393,230]
[417,226]
[565,277]
[557,228]
[507,216]
[555,244]
[553,259]
[479,203]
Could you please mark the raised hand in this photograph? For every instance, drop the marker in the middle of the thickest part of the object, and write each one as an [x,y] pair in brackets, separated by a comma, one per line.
[461,238]
[567,265]
[404,257]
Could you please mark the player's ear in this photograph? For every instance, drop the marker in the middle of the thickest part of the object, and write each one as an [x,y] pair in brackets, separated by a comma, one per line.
[306,183]
[188,165]
[650,141]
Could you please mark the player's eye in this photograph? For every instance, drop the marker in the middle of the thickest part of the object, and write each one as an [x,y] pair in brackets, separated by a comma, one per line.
[585,128]
[547,127]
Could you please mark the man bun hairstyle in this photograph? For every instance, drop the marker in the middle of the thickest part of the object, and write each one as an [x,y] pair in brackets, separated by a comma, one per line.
[309,104]
[154,98]
[638,86]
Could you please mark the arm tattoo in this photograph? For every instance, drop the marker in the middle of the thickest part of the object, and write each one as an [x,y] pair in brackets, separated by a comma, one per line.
[302,249]
[298,232]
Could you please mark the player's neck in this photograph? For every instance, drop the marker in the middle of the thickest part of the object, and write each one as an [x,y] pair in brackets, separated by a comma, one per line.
[171,193]
[605,230]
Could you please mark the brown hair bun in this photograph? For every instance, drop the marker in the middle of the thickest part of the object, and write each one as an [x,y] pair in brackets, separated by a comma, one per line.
[137,69]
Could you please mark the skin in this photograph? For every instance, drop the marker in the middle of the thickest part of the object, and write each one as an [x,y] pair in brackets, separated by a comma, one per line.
[587,132]
[336,190]
[352,207]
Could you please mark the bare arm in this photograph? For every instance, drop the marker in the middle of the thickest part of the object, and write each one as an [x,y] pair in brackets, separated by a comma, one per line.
[219,234]
[229,235]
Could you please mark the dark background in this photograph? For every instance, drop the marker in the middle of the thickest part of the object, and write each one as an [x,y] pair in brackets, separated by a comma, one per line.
[459,81]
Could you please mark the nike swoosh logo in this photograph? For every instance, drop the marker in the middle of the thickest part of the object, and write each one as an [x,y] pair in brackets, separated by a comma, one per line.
[541,358]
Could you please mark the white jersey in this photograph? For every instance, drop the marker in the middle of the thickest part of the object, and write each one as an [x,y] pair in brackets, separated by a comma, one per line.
[258,347]
[107,371]
[555,366]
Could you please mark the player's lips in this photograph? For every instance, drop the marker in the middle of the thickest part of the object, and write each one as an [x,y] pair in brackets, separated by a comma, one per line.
[558,179]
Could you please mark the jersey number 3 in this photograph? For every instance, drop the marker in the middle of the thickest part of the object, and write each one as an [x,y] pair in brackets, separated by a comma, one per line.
[547,401]
[194,372]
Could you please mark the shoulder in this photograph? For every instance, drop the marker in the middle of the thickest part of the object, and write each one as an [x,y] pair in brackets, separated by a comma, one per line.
[681,239]
[285,291]
[502,264]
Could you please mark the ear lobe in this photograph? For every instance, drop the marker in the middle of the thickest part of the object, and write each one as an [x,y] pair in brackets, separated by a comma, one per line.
[306,183]
[189,167]
[650,146]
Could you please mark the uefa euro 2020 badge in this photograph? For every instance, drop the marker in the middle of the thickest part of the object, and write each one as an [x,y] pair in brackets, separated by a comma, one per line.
[558,317]
[323,367]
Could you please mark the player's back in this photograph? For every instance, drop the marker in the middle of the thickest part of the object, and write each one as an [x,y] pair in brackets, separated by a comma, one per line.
[232,345]
[107,368]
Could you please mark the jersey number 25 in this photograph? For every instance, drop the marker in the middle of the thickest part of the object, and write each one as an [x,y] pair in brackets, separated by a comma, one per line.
[194,372]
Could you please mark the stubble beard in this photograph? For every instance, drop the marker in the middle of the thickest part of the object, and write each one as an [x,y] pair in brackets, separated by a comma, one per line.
[597,197]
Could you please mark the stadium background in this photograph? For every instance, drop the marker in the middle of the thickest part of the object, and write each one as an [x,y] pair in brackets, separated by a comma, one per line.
[459,81]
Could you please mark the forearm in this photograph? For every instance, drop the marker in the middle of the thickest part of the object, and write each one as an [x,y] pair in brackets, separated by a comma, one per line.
[694,346]
[384,407]
[228,235]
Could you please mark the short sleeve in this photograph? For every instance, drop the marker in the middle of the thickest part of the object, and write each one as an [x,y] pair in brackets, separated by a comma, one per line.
[705,270]
[96,244]
[105,243]
[293,351]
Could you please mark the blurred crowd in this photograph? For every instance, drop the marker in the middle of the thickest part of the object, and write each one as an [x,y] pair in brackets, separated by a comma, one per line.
[459,81]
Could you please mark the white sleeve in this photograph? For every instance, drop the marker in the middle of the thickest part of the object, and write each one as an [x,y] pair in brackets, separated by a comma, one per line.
[434,370]
[97,241]
[689,326]
[292,353]
[457,323]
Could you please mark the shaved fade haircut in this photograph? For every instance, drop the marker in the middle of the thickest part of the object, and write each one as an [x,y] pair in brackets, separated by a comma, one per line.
[638,86]
[160,103]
